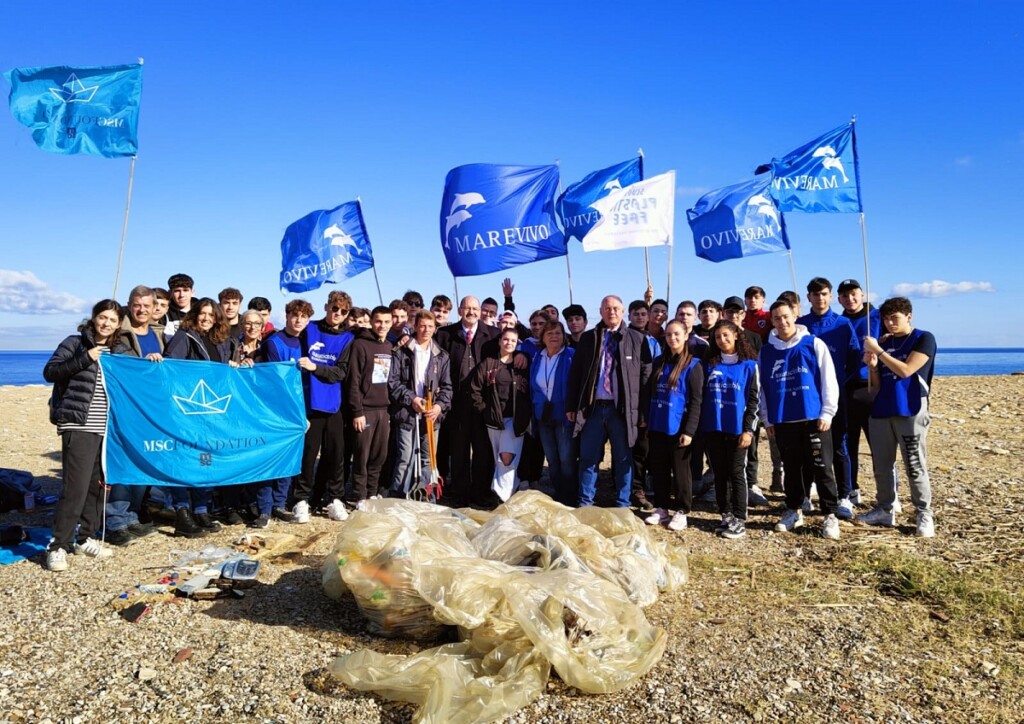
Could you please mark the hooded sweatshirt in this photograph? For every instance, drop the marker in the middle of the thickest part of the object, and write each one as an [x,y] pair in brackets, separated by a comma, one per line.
[368,372]
[798,379]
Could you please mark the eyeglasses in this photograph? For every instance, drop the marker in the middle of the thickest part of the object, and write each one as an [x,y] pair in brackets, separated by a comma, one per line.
[252,324]
[339,310]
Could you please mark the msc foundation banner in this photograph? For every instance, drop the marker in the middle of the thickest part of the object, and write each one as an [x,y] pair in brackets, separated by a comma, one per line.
[195,424]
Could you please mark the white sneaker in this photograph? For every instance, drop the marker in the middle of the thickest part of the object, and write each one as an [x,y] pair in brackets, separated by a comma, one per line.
[336,510]
[790,520]
[93,548]
[855,496]
[814,491]
[660,516]
[831,529]
[897,508]
[925,525]
[57,560]
[845,509]
[301,512]
[879,516]
[755,497]
[807,506]
[678,521]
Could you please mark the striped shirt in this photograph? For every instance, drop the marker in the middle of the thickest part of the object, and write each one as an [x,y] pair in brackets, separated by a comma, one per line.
[96,418]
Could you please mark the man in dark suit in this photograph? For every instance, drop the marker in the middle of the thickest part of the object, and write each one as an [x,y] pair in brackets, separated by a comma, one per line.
[471,460]
[607,398]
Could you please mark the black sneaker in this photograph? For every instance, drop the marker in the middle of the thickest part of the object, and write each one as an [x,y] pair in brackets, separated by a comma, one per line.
[281,514]
[737,529]
[262,521]
[230,517]
[185,525]
[120,537]
[204,521]
[640,500]
[141,530]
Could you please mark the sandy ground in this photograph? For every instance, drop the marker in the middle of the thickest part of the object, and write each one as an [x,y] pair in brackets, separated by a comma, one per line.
[880,626]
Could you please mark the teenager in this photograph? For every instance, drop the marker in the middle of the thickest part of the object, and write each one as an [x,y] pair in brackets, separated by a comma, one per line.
[708,312]
[676,390]
[367,400]
[323,360]
[501,397]
[901,370]
[203,335]
[78,407]
[838,335]
[230,300]
[728,418]
[576,322]
[799,396]
[180,288]
[757,318]
[866,323]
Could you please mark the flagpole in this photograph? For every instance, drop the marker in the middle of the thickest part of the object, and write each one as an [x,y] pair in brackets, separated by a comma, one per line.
[792,268]
[359,200]
[568,269]
[455,280]
[124,226]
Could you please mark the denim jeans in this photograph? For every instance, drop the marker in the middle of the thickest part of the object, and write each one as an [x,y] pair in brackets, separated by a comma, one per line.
[605,424]
[123,505]
[271,494]
[403,471]
[556,439]
[200,498]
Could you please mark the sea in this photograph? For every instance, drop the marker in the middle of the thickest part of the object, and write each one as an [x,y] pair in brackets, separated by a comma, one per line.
[26,368]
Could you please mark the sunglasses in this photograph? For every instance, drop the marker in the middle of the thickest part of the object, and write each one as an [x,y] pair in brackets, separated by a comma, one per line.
[336,309]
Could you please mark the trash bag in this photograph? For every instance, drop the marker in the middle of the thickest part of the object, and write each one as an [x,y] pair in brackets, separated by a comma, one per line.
[534,585]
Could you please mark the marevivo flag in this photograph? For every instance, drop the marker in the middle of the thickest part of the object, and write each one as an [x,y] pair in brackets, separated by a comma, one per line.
[641,214]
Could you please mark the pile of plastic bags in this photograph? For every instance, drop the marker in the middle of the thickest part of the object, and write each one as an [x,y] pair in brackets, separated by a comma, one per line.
[531,586]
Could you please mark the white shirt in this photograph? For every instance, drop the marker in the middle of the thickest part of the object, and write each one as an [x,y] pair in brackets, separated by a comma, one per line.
[420,367]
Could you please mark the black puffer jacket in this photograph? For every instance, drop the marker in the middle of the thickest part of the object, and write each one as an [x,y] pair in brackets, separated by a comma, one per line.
[73,376]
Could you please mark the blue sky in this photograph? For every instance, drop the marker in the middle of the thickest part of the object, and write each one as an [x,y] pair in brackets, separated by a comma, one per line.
[255,114]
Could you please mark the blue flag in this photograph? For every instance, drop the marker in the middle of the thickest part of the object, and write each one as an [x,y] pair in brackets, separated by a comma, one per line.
[195,424]
[737,221]
[496,217]
[79,110]
[574,206]
[821,176]
[325,246]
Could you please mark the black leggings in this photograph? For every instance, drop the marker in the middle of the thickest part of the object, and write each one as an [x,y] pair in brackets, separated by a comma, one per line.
[727,460]
[669,466]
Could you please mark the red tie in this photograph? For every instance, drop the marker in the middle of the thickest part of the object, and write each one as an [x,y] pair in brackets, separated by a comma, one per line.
[469,337]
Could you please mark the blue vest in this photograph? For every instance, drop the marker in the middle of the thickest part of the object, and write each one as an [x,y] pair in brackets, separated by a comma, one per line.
[284,352]
[899,397]
[791,380]
[668,406]
[725,396]
[323,349]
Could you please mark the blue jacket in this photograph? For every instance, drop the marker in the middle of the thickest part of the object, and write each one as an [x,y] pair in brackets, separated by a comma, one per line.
[837,333]
[559,387]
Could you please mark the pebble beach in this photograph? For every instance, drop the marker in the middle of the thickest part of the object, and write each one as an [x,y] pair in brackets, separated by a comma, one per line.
[879,626]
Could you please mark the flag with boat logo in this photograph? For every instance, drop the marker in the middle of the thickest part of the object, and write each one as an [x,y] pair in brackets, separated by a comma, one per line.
[195,424]
[90,110]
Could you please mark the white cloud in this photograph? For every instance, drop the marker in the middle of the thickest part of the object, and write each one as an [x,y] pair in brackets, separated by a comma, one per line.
[25,293]
[691,190]
[963,161]
[939,288]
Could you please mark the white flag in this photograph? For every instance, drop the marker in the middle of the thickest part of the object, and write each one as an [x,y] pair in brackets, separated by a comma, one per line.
[641,214]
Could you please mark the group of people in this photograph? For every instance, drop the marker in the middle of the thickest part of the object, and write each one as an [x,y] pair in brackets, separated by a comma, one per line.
[501,397]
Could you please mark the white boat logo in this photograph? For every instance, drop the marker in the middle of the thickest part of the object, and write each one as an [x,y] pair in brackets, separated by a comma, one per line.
[75,91]
[203,401]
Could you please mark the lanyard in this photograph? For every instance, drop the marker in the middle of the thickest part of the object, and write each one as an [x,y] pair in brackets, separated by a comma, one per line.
[550,367]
